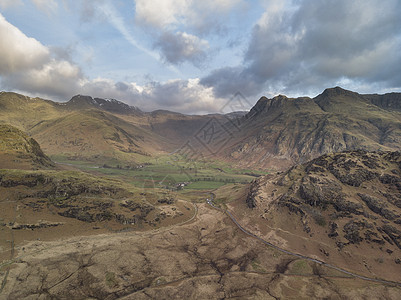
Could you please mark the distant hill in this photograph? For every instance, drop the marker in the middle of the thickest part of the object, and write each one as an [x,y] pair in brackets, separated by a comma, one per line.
[93,128]
[281,131]
[276,133]
[110,105]
[19,151]
[98,135]
[343,208]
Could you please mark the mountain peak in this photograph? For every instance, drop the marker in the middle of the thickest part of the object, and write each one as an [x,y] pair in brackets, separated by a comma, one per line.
[80,101]
[111,105]
[280,97]
[335,91]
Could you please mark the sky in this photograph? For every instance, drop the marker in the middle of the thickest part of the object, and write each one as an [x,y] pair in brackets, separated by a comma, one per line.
[197,56]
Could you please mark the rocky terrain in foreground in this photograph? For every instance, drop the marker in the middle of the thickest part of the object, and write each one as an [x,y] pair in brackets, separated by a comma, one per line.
[208,258]
[347,202]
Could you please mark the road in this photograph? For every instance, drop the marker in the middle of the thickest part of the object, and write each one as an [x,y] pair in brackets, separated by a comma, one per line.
[210,202]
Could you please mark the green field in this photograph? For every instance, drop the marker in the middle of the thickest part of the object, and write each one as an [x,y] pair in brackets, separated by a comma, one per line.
[164,172]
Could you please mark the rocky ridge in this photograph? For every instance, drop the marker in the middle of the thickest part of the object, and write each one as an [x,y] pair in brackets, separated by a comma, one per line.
[355,196]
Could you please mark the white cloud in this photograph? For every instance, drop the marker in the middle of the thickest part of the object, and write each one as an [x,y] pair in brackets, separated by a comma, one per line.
[29,67]
[161,13]
[166,13]
[17,51]
[117,21]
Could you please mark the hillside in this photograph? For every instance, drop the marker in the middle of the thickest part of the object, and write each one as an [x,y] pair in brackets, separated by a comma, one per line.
[95,134]
[275,134]
[98,129]
[343,208]
[19,151]
[281,131]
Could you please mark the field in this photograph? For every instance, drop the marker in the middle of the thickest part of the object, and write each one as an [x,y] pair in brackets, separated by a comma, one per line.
[166,172]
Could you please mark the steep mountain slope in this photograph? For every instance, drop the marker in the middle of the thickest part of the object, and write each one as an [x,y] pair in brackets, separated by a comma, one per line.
[276,133]
[19,151]
[24,112]
[282,131]
[343,208]
[92,128]
[93,133]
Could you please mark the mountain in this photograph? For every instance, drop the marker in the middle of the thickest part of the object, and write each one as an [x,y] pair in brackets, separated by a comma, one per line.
[93,128]
[276,133]
[110,105]
[19,151]
[92,133]
[343,208]
[281,131]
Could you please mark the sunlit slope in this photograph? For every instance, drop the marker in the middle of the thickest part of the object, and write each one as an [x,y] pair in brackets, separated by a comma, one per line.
[94,133]
[19,151]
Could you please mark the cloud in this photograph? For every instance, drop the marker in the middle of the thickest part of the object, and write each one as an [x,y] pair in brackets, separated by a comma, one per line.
[161,13]
[19,52]
[186,96]
[229,80]
[179,27]
[4,4]
[29,67]
[117,21]
[169,14]
[47,6]
[55,79]
[181,46]
[308,45]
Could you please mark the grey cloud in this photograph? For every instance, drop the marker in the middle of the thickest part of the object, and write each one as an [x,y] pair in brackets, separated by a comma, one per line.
[56,80]
[229,80]
[121,86]
[186,96]
[314,44]
[179,47]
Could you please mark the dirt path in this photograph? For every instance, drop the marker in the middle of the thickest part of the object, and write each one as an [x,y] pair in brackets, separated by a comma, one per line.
[210,202]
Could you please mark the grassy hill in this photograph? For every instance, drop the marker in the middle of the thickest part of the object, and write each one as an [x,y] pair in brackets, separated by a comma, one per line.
[98,129]
[94,134]
[19,151]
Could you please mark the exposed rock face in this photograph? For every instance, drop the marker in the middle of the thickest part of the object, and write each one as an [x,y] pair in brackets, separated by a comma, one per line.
[386,101]
[281,131]
[111,105]
[354,195]
[75,195]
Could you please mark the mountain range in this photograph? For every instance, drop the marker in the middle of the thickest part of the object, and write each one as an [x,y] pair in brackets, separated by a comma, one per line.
[276,133]
[281,131]
[317,180]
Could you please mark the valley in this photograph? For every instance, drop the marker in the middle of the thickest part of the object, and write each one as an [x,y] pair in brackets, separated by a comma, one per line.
[101,200]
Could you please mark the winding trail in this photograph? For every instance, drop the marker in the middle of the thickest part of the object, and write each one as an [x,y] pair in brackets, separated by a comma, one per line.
[320,262]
